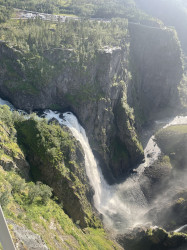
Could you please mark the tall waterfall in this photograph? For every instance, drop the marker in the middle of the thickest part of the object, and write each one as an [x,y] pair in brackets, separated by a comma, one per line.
[121,205]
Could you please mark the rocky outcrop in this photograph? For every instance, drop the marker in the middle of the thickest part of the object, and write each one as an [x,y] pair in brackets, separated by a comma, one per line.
[144,238]
[156,178]
[156,65]
[173,142]
[171,213]
[26,239]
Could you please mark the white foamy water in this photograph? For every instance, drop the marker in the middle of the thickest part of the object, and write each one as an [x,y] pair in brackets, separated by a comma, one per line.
[178,120]
[181,229]
[4,102]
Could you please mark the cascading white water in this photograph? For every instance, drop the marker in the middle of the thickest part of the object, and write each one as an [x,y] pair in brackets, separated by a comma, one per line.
[118,203]
[181,229]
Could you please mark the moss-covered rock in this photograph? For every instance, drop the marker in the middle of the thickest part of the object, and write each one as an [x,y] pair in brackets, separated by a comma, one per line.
[127,151]
[170,211]
[173,142]
[11,155]
[143,238]
[57,159]
[156,178]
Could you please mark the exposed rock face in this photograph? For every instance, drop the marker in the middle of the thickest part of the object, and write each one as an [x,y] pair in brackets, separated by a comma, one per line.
[156,67]
[26,239]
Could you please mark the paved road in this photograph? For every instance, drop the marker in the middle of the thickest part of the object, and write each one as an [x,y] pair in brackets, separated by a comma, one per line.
[5,237]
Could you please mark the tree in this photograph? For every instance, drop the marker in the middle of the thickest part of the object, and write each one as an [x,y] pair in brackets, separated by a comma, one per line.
[45,193]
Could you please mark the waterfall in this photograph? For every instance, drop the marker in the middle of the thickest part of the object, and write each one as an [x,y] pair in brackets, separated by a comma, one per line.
[121,204]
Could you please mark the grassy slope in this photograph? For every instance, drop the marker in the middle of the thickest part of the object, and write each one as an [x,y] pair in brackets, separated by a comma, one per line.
[171,137]
[48,220]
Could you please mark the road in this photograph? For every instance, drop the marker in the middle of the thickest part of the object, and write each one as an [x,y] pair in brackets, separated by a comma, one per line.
[5,237]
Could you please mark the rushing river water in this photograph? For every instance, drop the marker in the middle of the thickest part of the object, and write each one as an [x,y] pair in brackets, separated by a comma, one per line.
[122,205]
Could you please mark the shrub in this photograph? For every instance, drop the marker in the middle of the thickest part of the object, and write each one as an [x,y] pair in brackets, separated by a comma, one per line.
[4,198]
[39,190]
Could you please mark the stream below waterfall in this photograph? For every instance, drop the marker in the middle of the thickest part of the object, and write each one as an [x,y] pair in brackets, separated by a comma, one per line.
[122,205]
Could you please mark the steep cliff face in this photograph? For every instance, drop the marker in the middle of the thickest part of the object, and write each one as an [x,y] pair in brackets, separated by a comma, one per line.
[172,13]
[156,67]
[92,93]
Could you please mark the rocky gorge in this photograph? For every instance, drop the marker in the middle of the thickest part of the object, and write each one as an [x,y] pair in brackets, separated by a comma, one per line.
[117,96]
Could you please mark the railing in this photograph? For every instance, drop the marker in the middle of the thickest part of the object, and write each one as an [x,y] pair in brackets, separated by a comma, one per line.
[5,237]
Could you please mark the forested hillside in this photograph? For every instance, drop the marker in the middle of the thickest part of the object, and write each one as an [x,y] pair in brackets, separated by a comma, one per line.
[82,8]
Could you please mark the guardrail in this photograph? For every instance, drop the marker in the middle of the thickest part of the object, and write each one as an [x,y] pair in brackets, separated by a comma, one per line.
[5,237]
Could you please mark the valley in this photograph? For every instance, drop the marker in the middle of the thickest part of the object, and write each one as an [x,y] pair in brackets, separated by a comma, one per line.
[93,141]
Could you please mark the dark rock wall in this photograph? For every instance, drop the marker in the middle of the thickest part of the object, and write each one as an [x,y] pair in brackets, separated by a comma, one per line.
[156,65]
[171,12]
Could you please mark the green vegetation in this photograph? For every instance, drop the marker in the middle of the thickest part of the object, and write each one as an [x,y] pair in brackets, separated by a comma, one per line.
[52,154]
[36,36]
[129,113]
[49,142]
[31,204]
[43,218]
[168,138]
[5,13]
[42,50]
